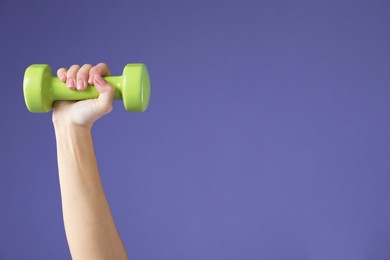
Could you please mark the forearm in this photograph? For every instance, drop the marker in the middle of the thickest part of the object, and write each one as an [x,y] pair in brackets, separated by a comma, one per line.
[89,226]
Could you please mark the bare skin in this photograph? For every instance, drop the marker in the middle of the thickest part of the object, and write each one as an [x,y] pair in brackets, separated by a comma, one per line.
[89,225]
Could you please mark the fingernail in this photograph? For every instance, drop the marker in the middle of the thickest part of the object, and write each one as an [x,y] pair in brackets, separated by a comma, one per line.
[71,83]
[99,79]
[90,81]
[80,84]
[62,77]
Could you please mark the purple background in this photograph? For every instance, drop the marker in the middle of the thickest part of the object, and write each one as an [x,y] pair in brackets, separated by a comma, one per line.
[267,135]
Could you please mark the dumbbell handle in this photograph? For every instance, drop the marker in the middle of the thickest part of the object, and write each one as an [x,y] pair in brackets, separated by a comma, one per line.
[59,90]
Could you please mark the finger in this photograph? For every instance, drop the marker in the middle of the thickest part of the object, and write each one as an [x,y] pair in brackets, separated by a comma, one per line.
[71,76]
[61,74]
[101,69]
[82,77]
[106,95]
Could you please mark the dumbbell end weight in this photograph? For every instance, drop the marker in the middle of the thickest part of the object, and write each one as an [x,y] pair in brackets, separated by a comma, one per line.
[36,88]
[135,87]
[41,89]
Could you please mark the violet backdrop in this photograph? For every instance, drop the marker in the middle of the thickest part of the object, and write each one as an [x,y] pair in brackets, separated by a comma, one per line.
[267,134]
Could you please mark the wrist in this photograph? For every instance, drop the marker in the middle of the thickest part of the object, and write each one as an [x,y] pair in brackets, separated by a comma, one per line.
[70,127]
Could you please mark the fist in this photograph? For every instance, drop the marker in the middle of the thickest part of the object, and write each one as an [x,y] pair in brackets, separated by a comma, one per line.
[84,113]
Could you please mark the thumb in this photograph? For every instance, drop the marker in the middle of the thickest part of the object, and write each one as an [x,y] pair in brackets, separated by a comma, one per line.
[106,94]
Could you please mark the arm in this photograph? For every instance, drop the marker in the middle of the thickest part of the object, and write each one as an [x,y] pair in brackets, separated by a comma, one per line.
[89,225]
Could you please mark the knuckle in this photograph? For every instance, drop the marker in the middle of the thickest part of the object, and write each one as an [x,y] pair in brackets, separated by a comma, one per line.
[102,64]
[61,73]
[87,66]
[74,67]
[60,70]
[103,68]
[82,74]
[93,70]
[73,70]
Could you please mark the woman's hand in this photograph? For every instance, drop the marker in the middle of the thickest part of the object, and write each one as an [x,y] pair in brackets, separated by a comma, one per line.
[84,113]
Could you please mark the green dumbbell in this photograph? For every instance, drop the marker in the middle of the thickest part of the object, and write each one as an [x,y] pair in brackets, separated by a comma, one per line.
[41,88]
